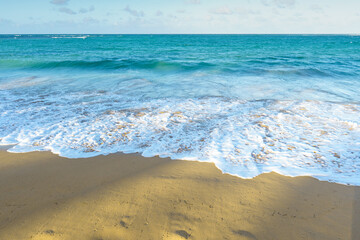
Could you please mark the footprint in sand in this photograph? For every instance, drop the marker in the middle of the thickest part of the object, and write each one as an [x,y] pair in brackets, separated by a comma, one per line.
[183,234]
[245,234]
[47,235]
[125,222]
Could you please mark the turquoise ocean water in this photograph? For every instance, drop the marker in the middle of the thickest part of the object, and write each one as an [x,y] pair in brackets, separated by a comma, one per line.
[248,103]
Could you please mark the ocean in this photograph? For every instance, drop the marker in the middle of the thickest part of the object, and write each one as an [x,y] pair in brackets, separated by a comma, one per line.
[249,103]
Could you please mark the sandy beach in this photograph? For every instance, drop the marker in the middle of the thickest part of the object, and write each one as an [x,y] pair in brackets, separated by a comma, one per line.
[120,196]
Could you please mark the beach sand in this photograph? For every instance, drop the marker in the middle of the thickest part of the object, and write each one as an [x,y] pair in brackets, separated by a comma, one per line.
[43,197]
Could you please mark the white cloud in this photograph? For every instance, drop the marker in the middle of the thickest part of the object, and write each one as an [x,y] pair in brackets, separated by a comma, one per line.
[4,21]
[59,2]
[181,11]
[316,8]
[279,3]
[172,16]
[86,10]
[133,12]
[222,11]
[90,20]
[66,10]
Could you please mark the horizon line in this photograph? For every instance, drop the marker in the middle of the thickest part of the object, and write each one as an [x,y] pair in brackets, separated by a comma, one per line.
[180,33]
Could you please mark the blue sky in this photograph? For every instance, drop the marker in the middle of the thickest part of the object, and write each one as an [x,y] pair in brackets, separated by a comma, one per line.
[179,16]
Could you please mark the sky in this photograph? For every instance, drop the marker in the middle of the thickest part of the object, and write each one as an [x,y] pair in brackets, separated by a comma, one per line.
[180,16]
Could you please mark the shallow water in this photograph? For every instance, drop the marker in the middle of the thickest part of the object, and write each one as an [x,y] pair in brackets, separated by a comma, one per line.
[248,103]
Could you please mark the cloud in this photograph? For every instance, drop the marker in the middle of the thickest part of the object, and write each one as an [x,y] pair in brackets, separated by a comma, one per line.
[86,10]
[72,12]
[59,2]
[233,11]
[159,13]
[181,11]
[90,20]
[5,21]
[316,8]
[223,11]
[279,3]
[172,16]
[134,12]
[66,10]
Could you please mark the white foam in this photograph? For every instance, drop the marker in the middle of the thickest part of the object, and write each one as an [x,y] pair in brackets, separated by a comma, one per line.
[243,138]
[82,37]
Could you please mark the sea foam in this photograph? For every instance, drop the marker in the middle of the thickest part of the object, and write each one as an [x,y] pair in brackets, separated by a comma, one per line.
[243,138]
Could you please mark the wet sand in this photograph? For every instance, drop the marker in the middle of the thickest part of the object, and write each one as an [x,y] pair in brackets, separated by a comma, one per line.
[46,197]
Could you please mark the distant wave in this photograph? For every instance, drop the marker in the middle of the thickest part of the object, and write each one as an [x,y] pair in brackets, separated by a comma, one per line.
[83,37]
[108,64]
[173,66]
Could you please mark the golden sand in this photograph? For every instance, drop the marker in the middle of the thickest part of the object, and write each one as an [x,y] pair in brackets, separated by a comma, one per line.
[46,197]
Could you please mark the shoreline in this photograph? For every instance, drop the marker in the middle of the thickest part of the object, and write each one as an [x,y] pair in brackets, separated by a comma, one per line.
[317,177]
[127,196]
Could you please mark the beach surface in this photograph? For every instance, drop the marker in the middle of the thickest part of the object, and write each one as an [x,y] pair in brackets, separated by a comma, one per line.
[120,196]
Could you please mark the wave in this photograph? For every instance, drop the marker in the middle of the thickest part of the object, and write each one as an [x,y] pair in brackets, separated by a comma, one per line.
[174,66]
[295,72]
[44,36]
[243,138]
[82,37]
[108,64]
